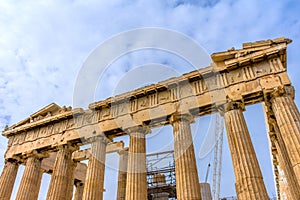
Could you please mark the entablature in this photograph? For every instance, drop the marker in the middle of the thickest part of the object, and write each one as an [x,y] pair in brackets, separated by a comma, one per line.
[244,77]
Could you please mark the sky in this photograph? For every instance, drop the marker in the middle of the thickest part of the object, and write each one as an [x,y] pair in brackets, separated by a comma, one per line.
[43,45]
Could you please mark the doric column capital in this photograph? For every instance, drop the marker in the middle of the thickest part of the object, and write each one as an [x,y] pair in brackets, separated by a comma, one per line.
[138,130]
[123,151]
[233,105]
[99,138]
[15,160]
[282,91]
[35,154]
[69,146]
[181,117]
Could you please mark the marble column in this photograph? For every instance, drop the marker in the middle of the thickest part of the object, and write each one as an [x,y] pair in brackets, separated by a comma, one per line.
[59,187]
[7,179]
[122,176]
[79,190]
[282,152]
[38,184]
[31,178]
[94,182]
[293,190]
[136,183]
[249,180]
[187,181]
[160,196]
[288,120]
[205,191]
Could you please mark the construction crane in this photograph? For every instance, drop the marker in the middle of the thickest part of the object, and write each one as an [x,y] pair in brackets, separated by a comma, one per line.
[217,157]
[207,172]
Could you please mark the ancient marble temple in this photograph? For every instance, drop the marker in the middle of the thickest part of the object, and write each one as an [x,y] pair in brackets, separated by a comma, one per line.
[49,140]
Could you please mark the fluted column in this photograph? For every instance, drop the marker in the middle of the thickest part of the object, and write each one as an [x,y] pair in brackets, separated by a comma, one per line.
[283,158]
[62,172]
[288,119]
[249,180]
[7,179]
[136,183]
[38,184]
[122,176]
[79,190]
[187,181]
[293,190]
[94,182]
[29,185]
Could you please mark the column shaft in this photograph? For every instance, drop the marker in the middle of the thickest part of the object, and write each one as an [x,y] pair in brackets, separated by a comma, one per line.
[249,180]
[94,182]
[38,184]
[284,161]
[288,119]
[7,179]
[29,184]
[71,180]
[136,183]
[285,164]
[79,190]
[122,176]
[187,181]
[63,168]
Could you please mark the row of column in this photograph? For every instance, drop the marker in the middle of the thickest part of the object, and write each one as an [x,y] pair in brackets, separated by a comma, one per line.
[133,184]
[283,125]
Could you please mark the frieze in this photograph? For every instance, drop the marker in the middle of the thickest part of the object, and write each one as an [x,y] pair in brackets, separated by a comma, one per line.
[211,83]
[10,141]
[153,99]
[79,120]
[164,96]
[133,105]
[123,108]
[105,113]
[186,90]
[248,73]
[175,95]
[143,102]
[276,65]
[88,117]
[30,136]
[235,76]
[70,124]
[115,110]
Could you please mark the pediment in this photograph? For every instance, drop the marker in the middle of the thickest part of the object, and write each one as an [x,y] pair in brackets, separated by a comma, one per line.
[49,110]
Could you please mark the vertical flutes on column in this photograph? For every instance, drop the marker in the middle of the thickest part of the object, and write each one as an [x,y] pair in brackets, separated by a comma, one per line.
[79,190]
[293,189]
[288,120]
[94,182]
[187,181]
[136,184]
[7,178]
[31,177]
[122,176]
[62,173]
[249,180]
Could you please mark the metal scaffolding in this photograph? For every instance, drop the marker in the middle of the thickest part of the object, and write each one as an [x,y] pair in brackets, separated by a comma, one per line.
[161,177]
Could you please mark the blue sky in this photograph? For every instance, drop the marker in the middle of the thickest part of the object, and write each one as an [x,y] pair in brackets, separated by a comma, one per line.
[44,43]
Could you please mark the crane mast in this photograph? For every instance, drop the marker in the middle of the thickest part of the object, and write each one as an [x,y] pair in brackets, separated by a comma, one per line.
[218,157]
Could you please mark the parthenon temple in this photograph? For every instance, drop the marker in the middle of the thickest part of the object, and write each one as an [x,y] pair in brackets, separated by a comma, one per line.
[49,140]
